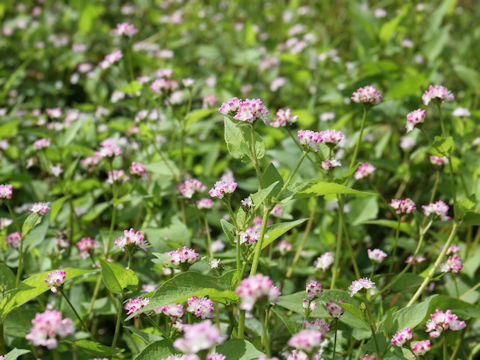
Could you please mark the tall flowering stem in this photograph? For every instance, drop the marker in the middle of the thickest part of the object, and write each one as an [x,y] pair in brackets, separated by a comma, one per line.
[254,157]
[335,339]
[359,140]
[338,248]
[437,263]
[75,312]
[394,252]
[259,245]
[265,339]
[20,250]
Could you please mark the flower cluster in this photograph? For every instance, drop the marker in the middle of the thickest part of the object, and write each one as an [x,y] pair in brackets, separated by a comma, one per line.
[131,239]
[404,206]
[360,284]
[441,321]
[401,337]
[190,187]
[222,188]
[306,340]
[312,139]
[330,164]
[438,161]
[439,209]
[247,110]
[134,305]
[453,264]
[55,280]
[335,310]
[111,59]
[13,240]
[40,208]
[376,255]
[6,191]
[318,325]
[137,169]
[364,170]
[313,289]
[172,310]
[183,256]
[282,118]
[200,307]
[437,93]
[117,176]
[205,204]
[42,144]
[414,118]
[255,288]
[86,246]
[197,337]
[324,262]
[47,327]
[421,347]
[367,95]
[125,29]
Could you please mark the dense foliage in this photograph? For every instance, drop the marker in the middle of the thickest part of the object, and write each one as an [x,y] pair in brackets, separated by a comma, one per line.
[239,180]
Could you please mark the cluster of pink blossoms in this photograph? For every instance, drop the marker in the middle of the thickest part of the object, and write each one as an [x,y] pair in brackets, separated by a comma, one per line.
[108,149]
[318,325]
[300,355]
[335,310]
[306,340]
[442,321]
[222,188]
[282,118]
[368,357]
[367,95]
[421,347]
[360,284]
[284,247]
[438,93]
[313,289]
[376,255]
[134,305]
[453,264]
[190,187]
[200,307]
[198,337]
[13,240]
[401,337]
[111,59]
[42,144]
[172,310]
[247,110]
[182,256]
[6,191]
[5,222]
[364,170]
[55,280]
[47,326]
[86,246]
[131,238]
[438,161]
[330,164]
[205,204]
[439,209]
[39,208]
[324,261]
[160,86]
[313,139]
[255,288]
[54,113]
[117,176]
[124,29]
[404,206]
[414,118]
[137,169]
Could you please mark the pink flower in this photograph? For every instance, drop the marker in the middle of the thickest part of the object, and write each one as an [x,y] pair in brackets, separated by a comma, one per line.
[209,100]
[417,260]
[453,249]
[401,337]
[284,247]
[439,161]
[453,264]
[125,29]
[368,357]
[54,113]
[13,240]
[42,144]
[216,357]
[55,280]
[190,187]
[200,307]
[414,118]
[117,176]
[421,347]
[282,118]
[255,288]
[323,262]
[438,93]
[6,191]
[197,337]
[251,110]
[405,206]
[300,355]
[407,143]
[47,326]
[439,209]
[131,239]
[111,59]
[222,188]
[441,321]
[134,305]
[313,289]
[205,204]
[318,325]
[109,149]
[40,208]
[149,287]
[331,138]
[309,139]
[330,164]
[56,170]
[364,170]
[334,309]
[309,305]
[5,222]
[367,95]
[137,169]
[230,107]
[277,211]
[360,284]
[86,246]
[306,340]
[182,256]
[376,255]
[172,310]
[247,204]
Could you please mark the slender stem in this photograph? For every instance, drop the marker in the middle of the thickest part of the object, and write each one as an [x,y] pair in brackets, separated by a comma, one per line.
[55,354]
[442,125]
[290,177]
[453,188]
[3,349]
[255,159]
[433,270]
[117,325]
[357,145]
[238,259]
[456,286]
[208,239]
[335,339]
[347,238]
[20,251]
[241,324]
[265,339]
[259,245]
[338,248]
[95,294]
[372,326]
[394,252]
[75,312]
[435,185]
[444,346]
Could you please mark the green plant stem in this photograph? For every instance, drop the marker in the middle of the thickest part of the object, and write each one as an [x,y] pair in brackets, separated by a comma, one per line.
[395,243]
[255,159]
[335,339]
[208,239]
[3,349]
[373,327]
[55,354]
[241,324]
[444,346]
[453,188]
[357,145]
[95,294]
[259,245]
[75,312]
[433,270]
[338,248]
[20,250]
[117,325]
[442,125]
[347,237]
[265,339]
[290,177]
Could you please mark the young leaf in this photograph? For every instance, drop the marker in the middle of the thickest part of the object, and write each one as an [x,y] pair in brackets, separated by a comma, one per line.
[96,349]
[323,188]
[157,350]
[116,278]
[239,349]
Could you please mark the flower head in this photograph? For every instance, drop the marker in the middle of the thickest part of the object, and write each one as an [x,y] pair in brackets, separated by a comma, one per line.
[222,188]
[40,208]
[282,118]
[47,327]
[330,164]
[183,256]
[437,93]
[414,118]
[376,255]
[42,144]
[125,29]
[334,309]
[190,187]
[360,284]
[284,247]
[404,206]
[319,325]
[309,139]
[439,209]
[137,169]
[6,191]
[134,305]
[323,262]
[441,321]
[438,161]
[367,95]
[401,337]
[13,240]
[421,347]
[205,204]
[453,264]
[255,288]
[200,307]
[331,138]
[117,176]
[86,246]
[172,310]
[197,337]
[247,204]
[5,222]
[364,170]
[313,289]
[306,340]
[111,59]
[131,239]
[55,280]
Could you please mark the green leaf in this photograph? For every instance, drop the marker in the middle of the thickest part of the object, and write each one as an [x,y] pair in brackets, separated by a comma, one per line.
[15,354]
[88,16]
[362,209]
[175,234]
[164,168]
[236,143]
[270,176]
[157,350]
[7,278]
[188,284]
[197,115]
[116,278]
[239,349]
[132,88]
[259,197]
[389,27]
[9,129]
[289,323]
[275,231]
[32,287]
[56,207]
[327,189]
[30,222]
[469,76]
[228,229]
[72,131]
[404,227]
[305,118]
[442,146]
[407,281]
[95,348]
[95,212]
[472,218]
